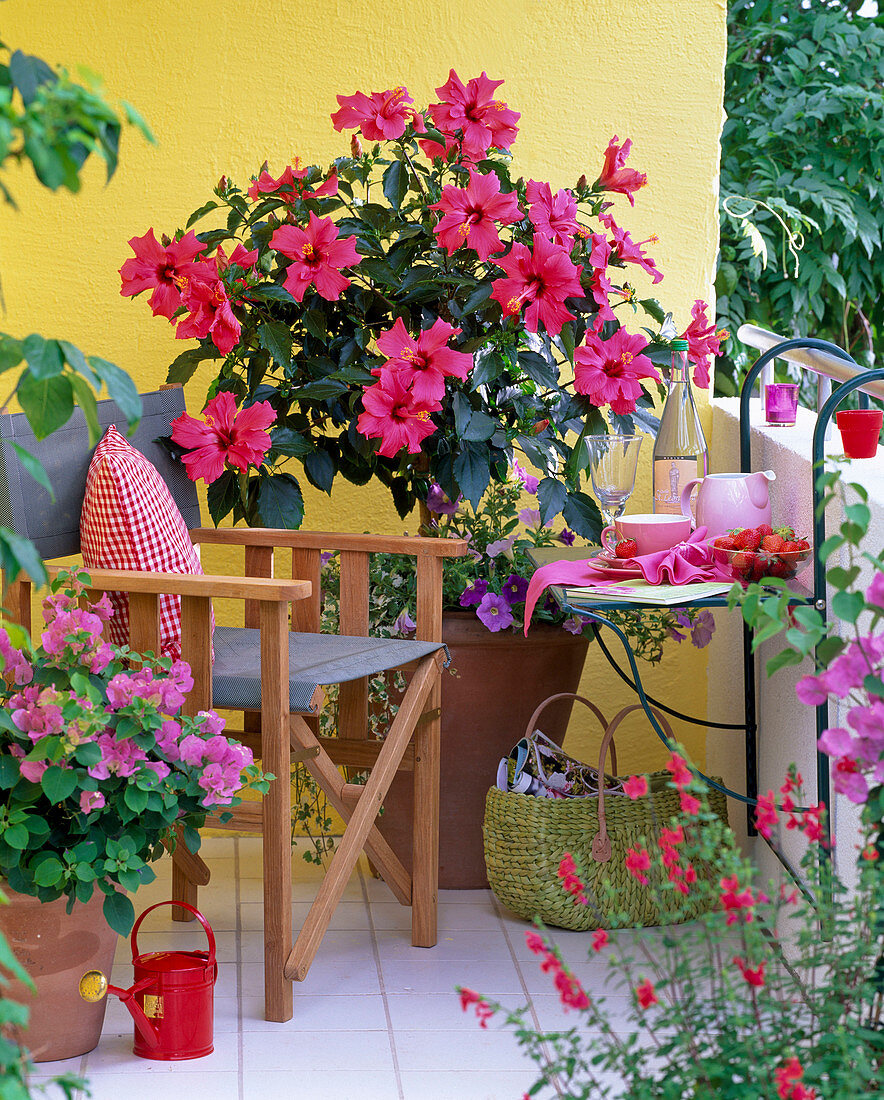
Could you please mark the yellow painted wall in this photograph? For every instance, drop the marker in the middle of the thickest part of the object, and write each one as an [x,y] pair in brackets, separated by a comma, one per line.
[225,88]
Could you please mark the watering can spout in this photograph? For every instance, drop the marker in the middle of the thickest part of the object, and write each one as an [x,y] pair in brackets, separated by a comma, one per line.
[94,985]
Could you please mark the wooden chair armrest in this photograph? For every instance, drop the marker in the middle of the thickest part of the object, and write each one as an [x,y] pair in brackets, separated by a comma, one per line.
[181,584]
[414,545]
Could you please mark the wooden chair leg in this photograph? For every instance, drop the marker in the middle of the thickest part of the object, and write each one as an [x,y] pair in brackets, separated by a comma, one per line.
[425,824]
[183,890]
[278,998]
[362,819]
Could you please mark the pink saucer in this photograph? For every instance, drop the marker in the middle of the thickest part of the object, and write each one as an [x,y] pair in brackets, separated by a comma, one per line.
[608,561]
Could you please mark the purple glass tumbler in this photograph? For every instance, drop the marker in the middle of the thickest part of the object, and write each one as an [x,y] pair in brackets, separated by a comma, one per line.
[781,402]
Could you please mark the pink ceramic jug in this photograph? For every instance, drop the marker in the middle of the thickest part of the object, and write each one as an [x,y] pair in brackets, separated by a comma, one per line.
[725,501]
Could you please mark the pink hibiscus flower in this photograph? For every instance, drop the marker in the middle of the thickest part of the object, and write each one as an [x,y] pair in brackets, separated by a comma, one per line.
[555,216]
[210,314]
[485,122]
[423,364]
[704,343]
[393,415]
[318,255]
[630,251]
[615,177]
[224,436]
[544,278]
[290,185]
[161,268]
[469,215]
[382,116]
[608,371]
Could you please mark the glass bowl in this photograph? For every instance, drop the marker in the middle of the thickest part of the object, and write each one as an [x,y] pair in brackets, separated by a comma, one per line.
[753,565]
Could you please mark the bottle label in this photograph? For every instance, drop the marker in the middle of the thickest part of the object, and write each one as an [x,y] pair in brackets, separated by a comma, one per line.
[670,477]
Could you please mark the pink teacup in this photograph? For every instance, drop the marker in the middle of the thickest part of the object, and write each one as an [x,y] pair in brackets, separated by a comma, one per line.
[652,532]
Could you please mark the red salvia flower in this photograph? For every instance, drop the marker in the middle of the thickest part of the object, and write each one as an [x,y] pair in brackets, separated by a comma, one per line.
[646,995]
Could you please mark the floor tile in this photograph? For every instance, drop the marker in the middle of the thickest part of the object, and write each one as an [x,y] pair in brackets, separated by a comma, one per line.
[491,977]
[479,1049]
[453,916]
[466,945]
[475,1085]
[369,1050]
[315,1011]
[330,1084]
[194,1083]
[428,1011]
[114,1055]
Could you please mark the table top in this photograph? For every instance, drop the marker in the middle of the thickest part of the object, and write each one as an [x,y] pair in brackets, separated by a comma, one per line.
[585,601]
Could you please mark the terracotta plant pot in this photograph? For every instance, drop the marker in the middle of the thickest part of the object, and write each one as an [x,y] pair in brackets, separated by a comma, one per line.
[859,430]
[500,679]
[56,949]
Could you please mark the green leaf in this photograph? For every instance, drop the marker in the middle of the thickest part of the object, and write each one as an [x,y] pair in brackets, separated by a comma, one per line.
[479,297]
[120,387]
[480,427]
[289,442]
[184,366]
[859,514]
[133,117]
[9,771]
[135,798]
[396,183]
[35,468]
[552,497]
[85,398]
[58,783]
[472,471]
[16,836]
[28,73]
[582,515]
[77,361]
[782,660]
[11,352]
[280,502]
[808,616]
[321,390]
[43,356]
[848,605]
[874,685]
[276,337]
[315,323]
[222,496]
[48,404]
[49,872]
[201,213]
[827,548]
[320,470]
[18,554]
[119,913]
[271,292]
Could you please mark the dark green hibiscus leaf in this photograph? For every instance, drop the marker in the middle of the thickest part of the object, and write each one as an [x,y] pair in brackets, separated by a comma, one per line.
[280,502]
[396,183]
[472,471]
[222,496]
[552,497]
[582,515]
[320,470]
[289,442]
[276,337]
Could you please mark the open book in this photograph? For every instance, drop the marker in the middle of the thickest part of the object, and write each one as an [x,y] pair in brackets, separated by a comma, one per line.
[638,590]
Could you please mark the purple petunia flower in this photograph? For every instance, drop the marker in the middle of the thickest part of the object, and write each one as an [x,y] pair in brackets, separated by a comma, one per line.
[494,612]
[404,624]
[501,546]
[573,625]
[528,480]
[567,537]
[515,589]
[472,595]
[530,516]
[702,629]
[438,502]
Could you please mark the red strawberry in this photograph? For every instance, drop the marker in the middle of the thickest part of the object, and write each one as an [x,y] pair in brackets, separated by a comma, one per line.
[760,567]
[744,563]
[787,532]
[789,548]
[626,548]
[772,543]
[764,529]
[748,539]
[725,542]
[780,568]
[802,544]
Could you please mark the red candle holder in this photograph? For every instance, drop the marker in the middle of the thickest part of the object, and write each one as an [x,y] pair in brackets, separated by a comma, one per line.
[859,430]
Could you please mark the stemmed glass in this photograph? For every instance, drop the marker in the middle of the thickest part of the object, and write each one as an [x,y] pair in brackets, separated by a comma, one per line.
[612,464]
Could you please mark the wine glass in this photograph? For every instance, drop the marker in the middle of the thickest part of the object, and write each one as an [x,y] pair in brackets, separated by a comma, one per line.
[612,464]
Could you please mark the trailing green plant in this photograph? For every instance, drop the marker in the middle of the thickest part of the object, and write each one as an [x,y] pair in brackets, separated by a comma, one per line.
[801,182]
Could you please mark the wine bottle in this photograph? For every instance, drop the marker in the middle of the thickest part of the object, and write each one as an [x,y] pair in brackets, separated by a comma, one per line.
[680,451]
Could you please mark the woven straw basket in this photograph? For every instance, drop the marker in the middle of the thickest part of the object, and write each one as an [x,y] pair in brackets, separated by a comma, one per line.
[526,837]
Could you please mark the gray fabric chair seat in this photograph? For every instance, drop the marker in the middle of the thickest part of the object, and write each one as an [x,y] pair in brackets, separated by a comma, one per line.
[315,660]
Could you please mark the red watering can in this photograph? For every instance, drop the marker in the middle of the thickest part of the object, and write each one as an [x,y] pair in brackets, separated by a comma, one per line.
[171,1000]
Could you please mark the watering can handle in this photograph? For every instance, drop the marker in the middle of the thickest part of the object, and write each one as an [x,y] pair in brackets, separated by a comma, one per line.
[183,905]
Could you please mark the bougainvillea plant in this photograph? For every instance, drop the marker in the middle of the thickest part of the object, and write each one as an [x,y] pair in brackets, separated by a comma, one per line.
[416,314]
[98,767]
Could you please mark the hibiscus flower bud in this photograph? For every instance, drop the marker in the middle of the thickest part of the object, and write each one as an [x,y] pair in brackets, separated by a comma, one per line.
[222,185]
[539,427]
[355,147]
[582,183]
[165,240]
[272,219]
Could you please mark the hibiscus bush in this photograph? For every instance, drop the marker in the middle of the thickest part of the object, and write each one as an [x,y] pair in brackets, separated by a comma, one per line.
[415,313]
[98,769]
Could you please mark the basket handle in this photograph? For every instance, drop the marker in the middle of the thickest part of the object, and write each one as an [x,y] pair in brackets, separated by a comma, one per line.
[532,721]
[601,845]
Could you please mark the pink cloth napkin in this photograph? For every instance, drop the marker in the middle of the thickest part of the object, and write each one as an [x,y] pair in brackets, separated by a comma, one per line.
[685,563]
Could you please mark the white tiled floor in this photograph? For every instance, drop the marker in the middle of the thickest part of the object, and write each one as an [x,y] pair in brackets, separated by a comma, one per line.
[375,1019]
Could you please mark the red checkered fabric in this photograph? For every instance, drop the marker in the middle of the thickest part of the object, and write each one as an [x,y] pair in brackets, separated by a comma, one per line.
[130,521]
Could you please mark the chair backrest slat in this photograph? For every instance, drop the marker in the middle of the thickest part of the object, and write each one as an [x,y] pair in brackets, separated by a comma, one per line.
[54,526]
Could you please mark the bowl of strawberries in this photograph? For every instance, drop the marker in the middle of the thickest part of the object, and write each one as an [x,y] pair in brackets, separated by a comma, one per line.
[753,553]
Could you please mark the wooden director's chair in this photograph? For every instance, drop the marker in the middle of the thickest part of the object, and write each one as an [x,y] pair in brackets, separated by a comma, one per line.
[273,672]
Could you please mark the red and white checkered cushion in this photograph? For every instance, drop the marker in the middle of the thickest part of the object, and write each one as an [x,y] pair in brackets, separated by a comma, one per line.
[130,521]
